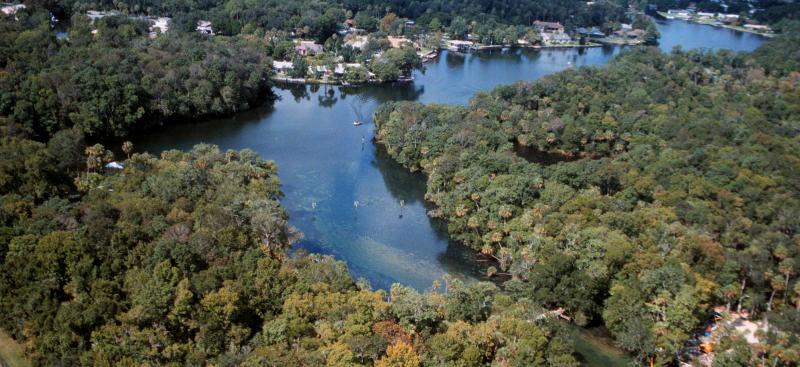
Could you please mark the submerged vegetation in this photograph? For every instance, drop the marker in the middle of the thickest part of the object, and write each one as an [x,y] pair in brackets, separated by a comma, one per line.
[687,199]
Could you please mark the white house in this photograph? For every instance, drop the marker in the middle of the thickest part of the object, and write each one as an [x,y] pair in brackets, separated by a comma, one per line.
[341,68]
[281,66]
[550,39]
[460,46]
[204,27]
[159,25]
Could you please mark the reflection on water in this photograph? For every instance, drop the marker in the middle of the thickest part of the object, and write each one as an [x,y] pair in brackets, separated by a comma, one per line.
[688,36]
[348,197]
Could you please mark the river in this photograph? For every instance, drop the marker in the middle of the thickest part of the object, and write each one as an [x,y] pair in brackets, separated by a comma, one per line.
[348,197]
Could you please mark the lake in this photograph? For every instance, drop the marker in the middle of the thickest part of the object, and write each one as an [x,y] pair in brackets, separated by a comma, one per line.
[348,197]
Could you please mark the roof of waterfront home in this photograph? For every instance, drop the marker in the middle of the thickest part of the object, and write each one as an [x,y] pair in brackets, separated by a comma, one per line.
[460,42]
[279,65]
[341,68]
[546,36]
[548,25]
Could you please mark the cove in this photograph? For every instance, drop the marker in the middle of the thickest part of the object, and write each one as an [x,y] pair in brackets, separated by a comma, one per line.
[348,197]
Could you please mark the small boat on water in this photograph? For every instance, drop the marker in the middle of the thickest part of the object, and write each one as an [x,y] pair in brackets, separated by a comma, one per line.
[357,123]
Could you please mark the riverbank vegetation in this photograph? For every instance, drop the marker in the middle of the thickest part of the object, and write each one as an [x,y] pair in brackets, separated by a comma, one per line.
[117,79]
[182,259]
[682,197]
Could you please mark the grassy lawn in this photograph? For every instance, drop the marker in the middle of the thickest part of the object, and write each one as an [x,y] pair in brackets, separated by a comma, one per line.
[11,354]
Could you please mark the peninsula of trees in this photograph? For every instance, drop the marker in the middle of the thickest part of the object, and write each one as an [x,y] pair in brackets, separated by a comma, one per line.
[638,195]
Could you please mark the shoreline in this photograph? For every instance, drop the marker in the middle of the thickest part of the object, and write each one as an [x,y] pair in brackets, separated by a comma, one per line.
[730,27]
[289,80]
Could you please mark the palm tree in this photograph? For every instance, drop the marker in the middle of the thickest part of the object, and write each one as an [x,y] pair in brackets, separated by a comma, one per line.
[127,148]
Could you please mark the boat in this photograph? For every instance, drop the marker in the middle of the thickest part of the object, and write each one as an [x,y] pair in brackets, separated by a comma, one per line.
[357,123]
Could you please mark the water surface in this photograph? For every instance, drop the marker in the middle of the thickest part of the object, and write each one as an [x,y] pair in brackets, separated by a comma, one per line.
[352,201]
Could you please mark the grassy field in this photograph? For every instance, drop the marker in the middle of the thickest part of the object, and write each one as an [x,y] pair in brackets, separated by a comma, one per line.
[11,354]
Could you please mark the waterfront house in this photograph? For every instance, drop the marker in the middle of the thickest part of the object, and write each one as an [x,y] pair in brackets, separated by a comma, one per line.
[552,39]
[308,48]
[758,27]
[549,27]
[460,46]
[318,70]
[204,27]
[282,66]
[728,18]
[678,14]
[342,68]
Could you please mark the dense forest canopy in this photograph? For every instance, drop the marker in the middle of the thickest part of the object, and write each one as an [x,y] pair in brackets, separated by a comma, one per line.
[181,260]
[676,191]
[108,83]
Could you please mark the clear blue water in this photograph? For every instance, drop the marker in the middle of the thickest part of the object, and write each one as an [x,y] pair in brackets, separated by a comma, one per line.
[345,195]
